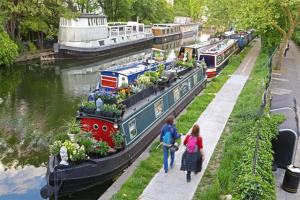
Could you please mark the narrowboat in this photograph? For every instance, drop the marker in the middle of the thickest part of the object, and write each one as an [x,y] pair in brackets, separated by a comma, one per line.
[192,51]
[90,35]
[140,125]
[244,38]
[164,33]
[115,76]
[217,56]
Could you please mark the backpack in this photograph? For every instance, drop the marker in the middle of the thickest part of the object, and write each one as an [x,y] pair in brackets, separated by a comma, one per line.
[192,144]
[168,138]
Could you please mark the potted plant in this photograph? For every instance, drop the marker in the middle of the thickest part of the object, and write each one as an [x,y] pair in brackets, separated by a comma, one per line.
[103,148]
[88,145]
[117,138]
[62,137]
[73,128]
[80,107]
[78,155]
[160,69]
[55,149]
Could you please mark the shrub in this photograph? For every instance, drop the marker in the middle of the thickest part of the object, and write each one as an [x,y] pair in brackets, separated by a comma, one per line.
[62,137]
[32,47]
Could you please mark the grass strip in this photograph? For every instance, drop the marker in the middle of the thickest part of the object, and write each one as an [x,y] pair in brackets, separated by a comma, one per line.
[146,170]
[220,176]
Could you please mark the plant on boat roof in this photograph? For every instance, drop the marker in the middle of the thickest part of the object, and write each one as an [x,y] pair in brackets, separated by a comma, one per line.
[124,93]
[91,105]
[203,63]
[88,144]
[174,73]
[135,89]
[73,126]
[160,68]
[179,63]
[156,54]
[191,60]
[152,75]
[125,85]
[174,64]
[78,153]
[104,147]
[62,137]
[70,146]
[121,106]
[55,147]
[105,95]
[143,81]
[117,138]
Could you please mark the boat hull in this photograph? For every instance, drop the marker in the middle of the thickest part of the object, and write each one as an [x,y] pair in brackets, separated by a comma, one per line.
[65,52]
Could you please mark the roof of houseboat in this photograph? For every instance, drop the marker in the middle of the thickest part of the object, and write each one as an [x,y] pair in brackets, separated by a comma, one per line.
[164,26]
[86,15]
[198,45]
[132,68]
[217,48]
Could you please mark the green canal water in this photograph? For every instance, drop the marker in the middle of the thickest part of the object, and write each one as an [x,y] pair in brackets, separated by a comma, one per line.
[36,100]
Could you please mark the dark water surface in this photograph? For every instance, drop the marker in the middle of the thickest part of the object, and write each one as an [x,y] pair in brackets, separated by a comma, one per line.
[36,100]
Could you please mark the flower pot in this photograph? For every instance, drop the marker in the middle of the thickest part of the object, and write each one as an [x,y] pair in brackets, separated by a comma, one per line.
[118,115]
[118,149]
[109,101]
[112,152]
[72,137]
[80,109]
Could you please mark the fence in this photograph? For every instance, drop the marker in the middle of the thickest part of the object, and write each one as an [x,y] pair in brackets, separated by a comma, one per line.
[262,107]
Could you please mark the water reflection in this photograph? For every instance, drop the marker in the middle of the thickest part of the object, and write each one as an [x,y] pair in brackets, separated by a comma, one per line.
[35,100]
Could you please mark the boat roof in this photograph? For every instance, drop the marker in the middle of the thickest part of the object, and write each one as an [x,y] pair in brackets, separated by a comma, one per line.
[162,26]
[217,48]
[198,45]
[132,68]
[86,15]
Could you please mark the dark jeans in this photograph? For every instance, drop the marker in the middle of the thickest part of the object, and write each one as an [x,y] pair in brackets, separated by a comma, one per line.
[166,154]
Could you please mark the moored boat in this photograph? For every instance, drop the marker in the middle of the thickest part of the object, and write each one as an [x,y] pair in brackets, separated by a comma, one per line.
[217,56]
[90,35]
[139,126]
[164,33]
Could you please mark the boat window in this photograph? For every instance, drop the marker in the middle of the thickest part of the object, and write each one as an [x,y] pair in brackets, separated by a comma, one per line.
[158,108]
[104,128]
[167,31]
[96,126]
[176,94]
[189,83]
[101,42]
[195,79]
[132,128]
[163,32]
[128,37]
[114,40]
[122,38]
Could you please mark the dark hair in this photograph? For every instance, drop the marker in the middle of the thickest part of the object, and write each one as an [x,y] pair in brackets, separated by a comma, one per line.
[195,130]
[170,119]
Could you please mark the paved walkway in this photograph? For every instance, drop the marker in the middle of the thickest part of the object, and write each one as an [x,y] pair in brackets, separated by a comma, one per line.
[212,122]
[287,81]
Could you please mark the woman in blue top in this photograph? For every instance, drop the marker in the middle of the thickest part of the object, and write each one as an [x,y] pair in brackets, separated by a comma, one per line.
[166,130]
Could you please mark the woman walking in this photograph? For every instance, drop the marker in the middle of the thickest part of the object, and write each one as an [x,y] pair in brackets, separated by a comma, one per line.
[168,135]
[193,157]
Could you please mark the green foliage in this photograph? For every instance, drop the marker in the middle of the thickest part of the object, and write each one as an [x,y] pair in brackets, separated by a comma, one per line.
[32,47]
[55,147]
[88,144]
[117,138]
[103,147]
[153,75]
[8,50]
[73,126]
[62,137]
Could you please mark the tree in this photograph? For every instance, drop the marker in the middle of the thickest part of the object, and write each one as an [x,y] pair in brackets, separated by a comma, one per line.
[8,50]
[282,15]
[181,8]
[217,15]
[197,8]
[116,9]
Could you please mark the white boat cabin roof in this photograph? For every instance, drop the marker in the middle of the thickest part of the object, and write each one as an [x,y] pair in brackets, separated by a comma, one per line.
[131,68]
[217,48]
[164,26]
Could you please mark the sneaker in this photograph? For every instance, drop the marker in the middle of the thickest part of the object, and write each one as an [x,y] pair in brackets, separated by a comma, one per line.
[166,171]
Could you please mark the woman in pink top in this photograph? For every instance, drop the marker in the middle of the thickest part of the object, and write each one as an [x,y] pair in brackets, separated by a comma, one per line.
[192,160]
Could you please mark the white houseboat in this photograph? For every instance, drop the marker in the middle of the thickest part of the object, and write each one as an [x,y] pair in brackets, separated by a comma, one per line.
[90,35]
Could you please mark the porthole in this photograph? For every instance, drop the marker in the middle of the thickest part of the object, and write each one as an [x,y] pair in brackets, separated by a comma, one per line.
[104,128]
[96,127]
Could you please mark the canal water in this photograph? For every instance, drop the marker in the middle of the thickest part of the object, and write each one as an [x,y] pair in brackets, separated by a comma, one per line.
[36,100]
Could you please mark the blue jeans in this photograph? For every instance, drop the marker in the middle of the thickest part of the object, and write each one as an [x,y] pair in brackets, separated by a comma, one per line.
[166,154]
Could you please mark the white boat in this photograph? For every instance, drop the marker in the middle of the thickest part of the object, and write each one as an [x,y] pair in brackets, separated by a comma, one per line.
[90,35]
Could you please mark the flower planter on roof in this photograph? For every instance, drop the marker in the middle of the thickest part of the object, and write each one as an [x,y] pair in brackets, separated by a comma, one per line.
[110,101]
